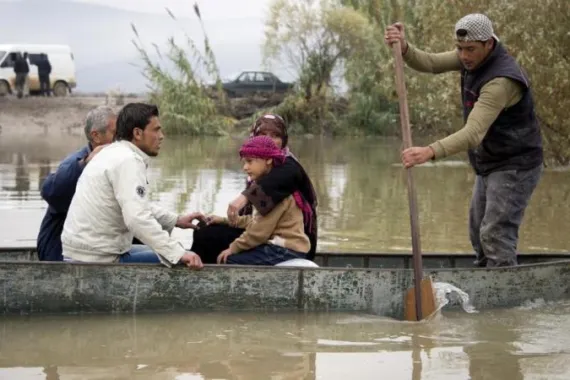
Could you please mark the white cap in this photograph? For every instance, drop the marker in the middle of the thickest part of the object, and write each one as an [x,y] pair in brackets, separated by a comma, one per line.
[474,27]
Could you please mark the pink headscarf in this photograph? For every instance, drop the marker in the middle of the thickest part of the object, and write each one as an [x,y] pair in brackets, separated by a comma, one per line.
[262,147]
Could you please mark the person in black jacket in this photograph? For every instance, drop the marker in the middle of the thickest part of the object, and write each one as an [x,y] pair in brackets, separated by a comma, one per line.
[44,70]
[21,69]
[269,191]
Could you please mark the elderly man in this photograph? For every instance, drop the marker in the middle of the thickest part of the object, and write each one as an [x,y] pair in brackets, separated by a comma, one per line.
[111,204]
[501,133]
[59,187]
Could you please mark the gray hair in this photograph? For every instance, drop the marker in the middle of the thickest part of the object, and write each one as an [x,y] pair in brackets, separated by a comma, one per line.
[98,120]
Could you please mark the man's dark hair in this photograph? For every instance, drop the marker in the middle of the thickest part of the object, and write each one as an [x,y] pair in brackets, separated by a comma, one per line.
[461,33]
[134,115]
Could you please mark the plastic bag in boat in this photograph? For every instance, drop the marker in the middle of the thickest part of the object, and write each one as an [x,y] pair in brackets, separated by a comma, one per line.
[444,293]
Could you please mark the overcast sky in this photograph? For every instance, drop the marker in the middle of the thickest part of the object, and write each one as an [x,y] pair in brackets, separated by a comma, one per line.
[210,9]
[102,36]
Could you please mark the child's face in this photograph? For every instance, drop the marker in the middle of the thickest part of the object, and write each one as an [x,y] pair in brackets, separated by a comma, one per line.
[256,167]
[274,136]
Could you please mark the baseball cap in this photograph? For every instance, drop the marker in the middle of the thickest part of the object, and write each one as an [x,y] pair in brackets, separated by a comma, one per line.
[474,27]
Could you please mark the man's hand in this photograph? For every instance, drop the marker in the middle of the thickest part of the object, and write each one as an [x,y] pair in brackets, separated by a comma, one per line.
[223,257]
[192,260]
[185,221]
[93,153]
[234,207]
[416,156]
[396,32]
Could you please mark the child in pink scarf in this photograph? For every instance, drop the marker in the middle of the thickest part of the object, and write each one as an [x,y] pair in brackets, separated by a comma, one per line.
[277,236]
[284,180]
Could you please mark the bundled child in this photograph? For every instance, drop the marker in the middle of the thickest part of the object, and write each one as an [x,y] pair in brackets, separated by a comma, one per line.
[277,236]
[263,194]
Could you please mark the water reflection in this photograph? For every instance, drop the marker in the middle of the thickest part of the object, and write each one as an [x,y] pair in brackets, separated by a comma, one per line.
[494,347]
[362,192]
[283,346]
[21,185]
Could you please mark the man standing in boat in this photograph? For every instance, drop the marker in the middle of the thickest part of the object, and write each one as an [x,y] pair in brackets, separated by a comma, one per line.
[501,133]
[111,204]
[59,187]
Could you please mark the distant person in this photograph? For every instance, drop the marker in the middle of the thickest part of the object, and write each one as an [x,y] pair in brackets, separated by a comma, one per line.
[58,188]
[273,238]
[501,133]
[44,70]
[21,69]
[111,204]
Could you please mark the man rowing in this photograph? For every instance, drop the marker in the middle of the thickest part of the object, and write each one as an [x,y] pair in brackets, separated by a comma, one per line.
[501,133]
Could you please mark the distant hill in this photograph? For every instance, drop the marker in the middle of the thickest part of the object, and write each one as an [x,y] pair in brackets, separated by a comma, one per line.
[101,38]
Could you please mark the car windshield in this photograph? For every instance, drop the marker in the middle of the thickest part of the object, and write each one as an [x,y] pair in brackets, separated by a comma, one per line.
[2,54]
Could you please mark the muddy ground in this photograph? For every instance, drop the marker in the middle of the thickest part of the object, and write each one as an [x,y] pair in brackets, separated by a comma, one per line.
[48,116]
[52,116]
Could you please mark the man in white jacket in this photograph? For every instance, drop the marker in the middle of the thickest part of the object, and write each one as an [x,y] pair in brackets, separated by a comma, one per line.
[111,204]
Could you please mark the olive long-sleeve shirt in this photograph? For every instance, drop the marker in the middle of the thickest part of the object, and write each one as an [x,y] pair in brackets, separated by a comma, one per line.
[495,95]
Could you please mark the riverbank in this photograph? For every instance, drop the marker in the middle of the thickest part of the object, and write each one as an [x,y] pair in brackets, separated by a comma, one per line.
[54,117]
[48,117]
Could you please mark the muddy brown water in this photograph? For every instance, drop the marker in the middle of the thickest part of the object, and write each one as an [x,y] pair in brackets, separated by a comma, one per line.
[529,342]
[362,207]
[361,189]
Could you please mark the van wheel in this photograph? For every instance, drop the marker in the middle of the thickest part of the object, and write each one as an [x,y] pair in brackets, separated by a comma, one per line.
[4,88]
[60,89]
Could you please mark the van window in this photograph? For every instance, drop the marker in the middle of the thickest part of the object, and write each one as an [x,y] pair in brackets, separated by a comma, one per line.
[2,54]
[9,61]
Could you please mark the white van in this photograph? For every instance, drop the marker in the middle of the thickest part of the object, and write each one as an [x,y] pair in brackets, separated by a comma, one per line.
[62,77]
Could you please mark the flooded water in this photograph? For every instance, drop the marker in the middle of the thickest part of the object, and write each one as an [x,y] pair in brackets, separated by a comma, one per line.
[525,343]
[362,192]
[362,207]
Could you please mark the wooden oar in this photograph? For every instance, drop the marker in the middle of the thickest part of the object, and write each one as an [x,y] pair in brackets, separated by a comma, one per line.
[419,301]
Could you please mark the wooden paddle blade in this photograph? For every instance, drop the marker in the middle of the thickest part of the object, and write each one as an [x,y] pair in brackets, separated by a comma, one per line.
[428,301]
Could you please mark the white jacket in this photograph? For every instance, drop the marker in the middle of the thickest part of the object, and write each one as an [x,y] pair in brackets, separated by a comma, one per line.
[111,205]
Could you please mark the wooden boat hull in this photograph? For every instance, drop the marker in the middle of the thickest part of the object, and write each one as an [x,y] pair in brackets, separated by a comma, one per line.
[48,287]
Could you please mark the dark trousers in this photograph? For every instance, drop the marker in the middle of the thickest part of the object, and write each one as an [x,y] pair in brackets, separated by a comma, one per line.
[45,87]
[210,241]
[496,212]
[20,84]
[265,254]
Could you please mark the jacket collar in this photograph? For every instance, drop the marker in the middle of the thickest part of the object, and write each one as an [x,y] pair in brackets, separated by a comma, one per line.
[136,149]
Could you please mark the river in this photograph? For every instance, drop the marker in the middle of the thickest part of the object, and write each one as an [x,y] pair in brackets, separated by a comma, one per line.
[362,207]
[361,190]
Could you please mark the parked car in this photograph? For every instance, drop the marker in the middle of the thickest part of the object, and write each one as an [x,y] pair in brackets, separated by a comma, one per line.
[250,82]
[62,76]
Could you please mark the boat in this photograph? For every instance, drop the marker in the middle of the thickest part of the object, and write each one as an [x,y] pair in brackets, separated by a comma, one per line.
[358,259]
[347,282]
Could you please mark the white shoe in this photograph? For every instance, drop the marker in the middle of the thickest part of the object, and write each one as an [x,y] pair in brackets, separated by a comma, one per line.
[298,263]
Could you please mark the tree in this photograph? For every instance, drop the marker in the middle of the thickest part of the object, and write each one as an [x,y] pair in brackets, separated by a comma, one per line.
[296,33]
[536,33]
